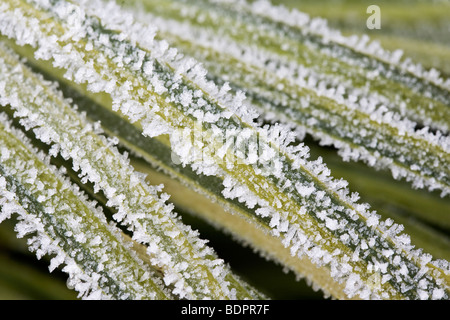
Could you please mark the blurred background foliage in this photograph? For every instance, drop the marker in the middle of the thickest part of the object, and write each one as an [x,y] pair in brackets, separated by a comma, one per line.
[422,30]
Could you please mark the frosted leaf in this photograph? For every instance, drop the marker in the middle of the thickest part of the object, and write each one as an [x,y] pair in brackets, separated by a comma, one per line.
[171,85]
[138,204]
[373,105]
[45,231]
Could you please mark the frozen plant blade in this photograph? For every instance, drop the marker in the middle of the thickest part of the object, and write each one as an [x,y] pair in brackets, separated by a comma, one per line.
[360,124]
[333,119]
[307,42]
[61,222]
[162,93]
[186,263]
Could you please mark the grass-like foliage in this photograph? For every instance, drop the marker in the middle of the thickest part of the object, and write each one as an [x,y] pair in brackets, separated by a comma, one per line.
[116,117]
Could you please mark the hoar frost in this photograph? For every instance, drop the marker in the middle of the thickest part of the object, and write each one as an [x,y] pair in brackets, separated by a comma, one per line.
[183,93]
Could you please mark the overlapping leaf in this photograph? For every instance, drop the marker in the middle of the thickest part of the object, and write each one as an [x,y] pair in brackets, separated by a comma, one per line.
[351,102]
[63,223]
[159,92]
[174,249]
